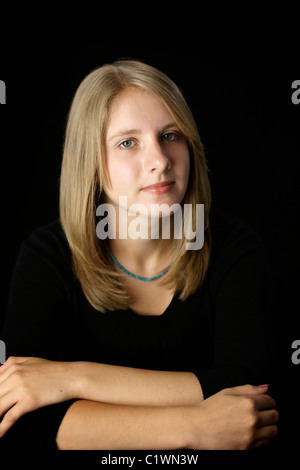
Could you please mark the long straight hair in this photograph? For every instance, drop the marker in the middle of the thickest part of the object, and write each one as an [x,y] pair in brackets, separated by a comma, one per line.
[83,174]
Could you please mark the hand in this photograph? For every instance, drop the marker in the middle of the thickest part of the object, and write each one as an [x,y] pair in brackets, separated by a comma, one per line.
[30,383]
[236,418]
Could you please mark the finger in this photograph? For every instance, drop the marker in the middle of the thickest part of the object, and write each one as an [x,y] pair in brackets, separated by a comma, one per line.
[246,390]
[6,402]
[12,360]
[3,377]
[267,417]
[266,432]
[4,387]
[260,443]
[11,416]
[264,402]
[9,370]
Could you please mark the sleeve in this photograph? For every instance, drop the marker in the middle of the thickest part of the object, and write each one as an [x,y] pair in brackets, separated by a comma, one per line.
[36,324]
[240,289]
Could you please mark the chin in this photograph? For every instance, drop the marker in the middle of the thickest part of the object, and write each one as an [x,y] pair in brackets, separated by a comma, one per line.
[161,209]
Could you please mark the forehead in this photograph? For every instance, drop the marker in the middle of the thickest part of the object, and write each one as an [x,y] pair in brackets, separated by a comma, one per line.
[134,107]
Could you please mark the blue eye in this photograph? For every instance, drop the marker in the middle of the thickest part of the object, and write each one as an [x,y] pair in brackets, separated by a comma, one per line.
[169,136]
[127,144]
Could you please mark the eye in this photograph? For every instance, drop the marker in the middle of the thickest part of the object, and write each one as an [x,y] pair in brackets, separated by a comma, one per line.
[169,136]
[127,144]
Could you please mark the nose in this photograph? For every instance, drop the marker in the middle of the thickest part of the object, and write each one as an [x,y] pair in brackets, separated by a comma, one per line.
[155,159]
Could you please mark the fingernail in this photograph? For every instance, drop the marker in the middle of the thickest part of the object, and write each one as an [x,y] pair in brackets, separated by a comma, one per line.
[263,386]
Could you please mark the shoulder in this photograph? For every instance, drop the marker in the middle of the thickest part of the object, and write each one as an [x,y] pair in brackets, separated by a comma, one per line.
[51,234]
[47,245]
[233,242]
[231,232]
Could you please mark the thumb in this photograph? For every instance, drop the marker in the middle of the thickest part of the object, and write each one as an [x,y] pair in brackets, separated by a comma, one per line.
[248,390]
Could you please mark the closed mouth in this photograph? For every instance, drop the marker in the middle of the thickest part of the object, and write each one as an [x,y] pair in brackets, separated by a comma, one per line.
[159,185]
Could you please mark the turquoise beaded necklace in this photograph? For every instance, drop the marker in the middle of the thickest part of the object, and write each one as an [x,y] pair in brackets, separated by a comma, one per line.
[146,279]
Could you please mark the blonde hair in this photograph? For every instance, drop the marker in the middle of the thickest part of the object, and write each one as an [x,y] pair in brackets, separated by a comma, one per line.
[83,174]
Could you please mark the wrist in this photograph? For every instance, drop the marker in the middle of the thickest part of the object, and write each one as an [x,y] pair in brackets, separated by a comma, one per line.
[189,429]
[76,378]
[197,429]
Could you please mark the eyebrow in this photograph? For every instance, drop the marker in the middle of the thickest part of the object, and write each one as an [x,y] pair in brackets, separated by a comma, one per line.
[123,132]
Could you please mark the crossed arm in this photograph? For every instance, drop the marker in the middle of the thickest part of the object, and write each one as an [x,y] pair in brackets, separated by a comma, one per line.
[127,408]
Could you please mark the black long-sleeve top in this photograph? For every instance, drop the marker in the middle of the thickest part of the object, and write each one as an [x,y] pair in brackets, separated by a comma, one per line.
[219,333]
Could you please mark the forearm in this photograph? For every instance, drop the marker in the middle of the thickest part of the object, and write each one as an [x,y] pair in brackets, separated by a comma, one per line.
[129,386]
[90,425]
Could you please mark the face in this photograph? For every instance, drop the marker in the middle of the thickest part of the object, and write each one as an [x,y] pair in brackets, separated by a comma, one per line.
[147,157]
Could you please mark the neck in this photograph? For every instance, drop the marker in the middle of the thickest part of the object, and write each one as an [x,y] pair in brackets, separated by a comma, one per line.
[143,248]
[143,257]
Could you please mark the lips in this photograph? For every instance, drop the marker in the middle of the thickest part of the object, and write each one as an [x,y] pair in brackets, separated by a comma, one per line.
[159,188]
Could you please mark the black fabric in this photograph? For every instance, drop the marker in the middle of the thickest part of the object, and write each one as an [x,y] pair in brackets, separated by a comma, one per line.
[219,333]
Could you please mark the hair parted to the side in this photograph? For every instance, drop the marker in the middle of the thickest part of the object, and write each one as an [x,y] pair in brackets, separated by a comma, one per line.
[83,174]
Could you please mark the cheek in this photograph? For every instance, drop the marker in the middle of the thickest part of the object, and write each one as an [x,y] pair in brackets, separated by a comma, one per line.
[184,170]
[183,163]
[187,163]
[121,174]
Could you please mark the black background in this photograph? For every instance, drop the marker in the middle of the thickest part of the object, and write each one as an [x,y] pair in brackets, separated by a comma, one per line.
[237,81]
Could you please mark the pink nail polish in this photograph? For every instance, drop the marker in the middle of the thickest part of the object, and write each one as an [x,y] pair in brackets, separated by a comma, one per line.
[263,386]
